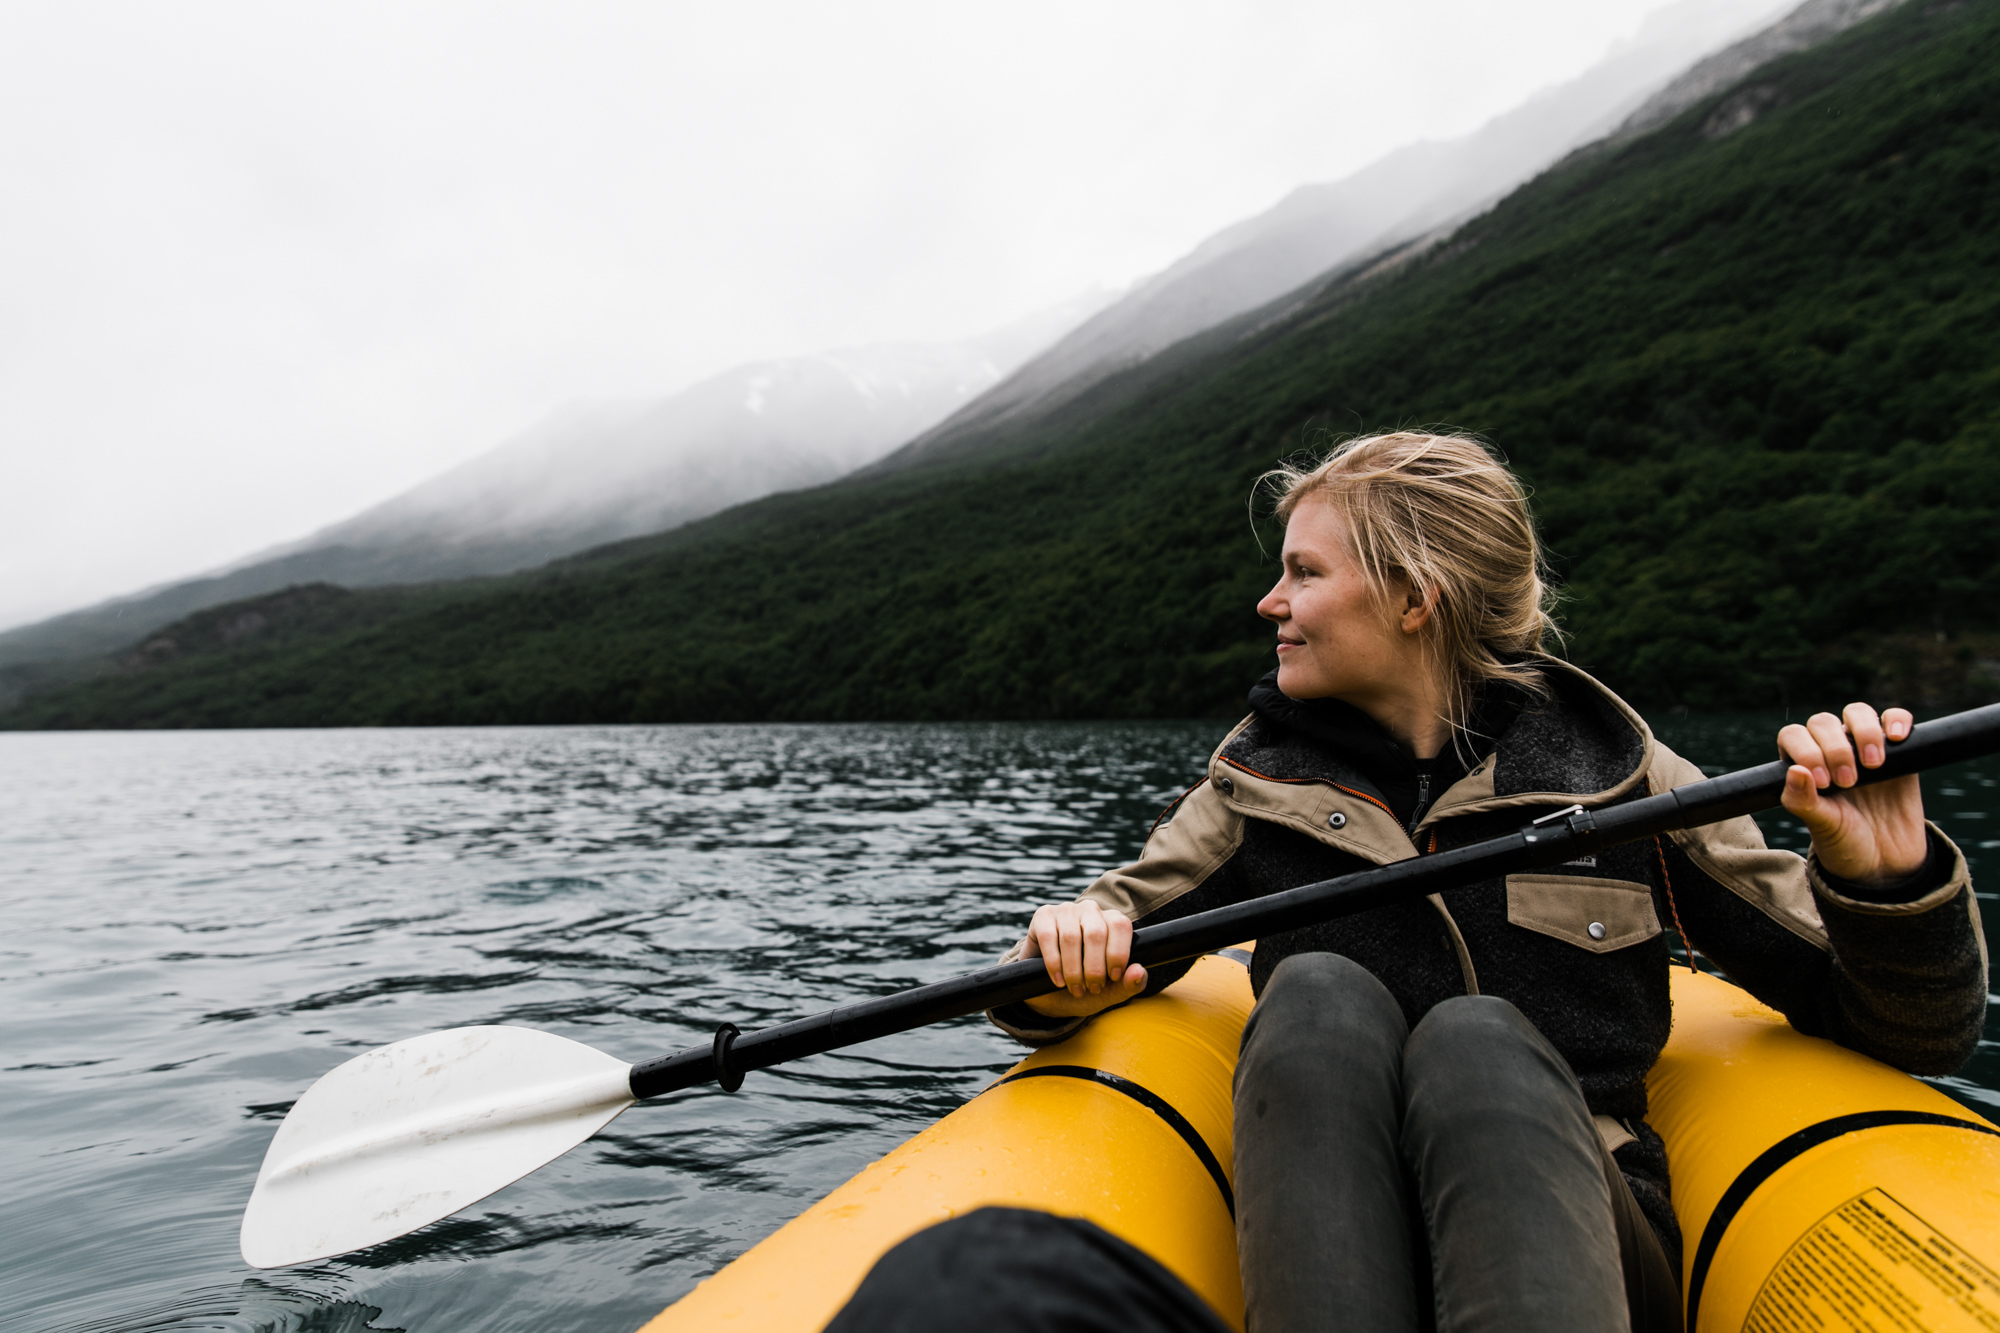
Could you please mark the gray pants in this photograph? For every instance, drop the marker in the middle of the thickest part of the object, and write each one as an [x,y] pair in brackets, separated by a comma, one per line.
[1386,1178]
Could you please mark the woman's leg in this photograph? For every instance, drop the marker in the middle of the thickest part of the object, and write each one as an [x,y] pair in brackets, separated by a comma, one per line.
[1510,1172]
[1652,1288]
[1324,1217]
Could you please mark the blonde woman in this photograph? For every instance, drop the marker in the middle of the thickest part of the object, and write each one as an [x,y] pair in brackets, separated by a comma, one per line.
[1440,1105]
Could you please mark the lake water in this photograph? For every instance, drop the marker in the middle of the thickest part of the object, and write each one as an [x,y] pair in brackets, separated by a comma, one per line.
[194,926]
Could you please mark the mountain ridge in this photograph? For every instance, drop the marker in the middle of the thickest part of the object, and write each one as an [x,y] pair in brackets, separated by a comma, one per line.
[1413,192]
[1747,373]
[588,475]
[466,522]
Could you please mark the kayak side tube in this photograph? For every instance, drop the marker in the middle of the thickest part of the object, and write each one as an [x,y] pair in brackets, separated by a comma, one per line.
[1817,1188]
[1126,1124]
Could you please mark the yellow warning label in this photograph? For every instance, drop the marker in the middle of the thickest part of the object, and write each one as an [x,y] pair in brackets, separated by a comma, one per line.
[1874,1266]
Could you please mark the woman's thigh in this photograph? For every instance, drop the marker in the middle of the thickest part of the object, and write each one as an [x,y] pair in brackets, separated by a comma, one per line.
[1325,1221]
[1510,1176]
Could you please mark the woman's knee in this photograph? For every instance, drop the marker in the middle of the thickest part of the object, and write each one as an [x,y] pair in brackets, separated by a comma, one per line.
[1475,1054]
[1469,1024]
[1321,1015]
[1323,990]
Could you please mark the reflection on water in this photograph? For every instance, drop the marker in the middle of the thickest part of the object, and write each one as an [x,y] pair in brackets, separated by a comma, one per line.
[198,925]
[252,1305]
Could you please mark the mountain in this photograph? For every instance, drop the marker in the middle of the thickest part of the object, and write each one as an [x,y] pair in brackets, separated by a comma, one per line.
[597,473]
[1808,25]
[1745,363]
[600,472]
[1408,194]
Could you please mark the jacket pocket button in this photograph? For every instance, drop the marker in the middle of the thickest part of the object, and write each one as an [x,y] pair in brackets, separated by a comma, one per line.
[1596,929]
[1228,787]
[1336,820]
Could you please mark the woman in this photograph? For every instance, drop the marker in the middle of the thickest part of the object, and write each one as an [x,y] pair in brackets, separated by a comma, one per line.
[1440,1105]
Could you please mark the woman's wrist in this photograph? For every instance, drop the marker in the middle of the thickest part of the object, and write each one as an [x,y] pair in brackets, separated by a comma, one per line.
[1894,884]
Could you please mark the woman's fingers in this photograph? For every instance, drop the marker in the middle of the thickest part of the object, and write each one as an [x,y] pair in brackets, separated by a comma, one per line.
[1831,737]
[1802,799]
[1088,953]
[1871,835]
[1829,747]
[1117,945]
[1090,922]
[1871,743]
[1083,947]
[1072,948]
[1798,745]
[1821,758]
[1836,749]
[1061,1004]
[1045,942]
[1107,946]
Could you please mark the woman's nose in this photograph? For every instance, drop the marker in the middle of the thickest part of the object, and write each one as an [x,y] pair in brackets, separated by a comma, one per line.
[1273,607]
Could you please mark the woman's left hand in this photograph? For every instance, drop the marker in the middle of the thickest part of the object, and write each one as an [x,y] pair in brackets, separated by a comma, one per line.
[1873,835]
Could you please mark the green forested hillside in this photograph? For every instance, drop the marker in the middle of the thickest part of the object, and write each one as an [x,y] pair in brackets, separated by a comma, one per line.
[1753,377]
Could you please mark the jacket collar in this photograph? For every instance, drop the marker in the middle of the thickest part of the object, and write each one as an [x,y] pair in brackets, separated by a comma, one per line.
[1582,746]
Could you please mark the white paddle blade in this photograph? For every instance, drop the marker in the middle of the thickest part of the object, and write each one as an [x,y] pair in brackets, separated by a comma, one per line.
[406,1134]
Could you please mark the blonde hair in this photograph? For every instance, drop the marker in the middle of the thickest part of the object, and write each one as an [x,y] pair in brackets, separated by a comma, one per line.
[1444,515]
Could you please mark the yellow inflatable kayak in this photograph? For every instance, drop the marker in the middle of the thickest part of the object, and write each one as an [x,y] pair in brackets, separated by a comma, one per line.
[1817,1189]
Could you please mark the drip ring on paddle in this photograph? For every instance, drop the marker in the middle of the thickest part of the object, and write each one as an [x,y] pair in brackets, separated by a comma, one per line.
[728,1079]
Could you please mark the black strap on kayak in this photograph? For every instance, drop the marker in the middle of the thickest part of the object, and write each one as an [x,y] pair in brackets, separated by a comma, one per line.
[1153,1102]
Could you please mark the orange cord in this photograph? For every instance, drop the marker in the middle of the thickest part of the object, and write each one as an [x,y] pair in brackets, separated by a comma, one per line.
[1170,807]
[1667,883]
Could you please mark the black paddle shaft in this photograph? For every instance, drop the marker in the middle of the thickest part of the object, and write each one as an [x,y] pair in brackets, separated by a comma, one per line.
[1551,840]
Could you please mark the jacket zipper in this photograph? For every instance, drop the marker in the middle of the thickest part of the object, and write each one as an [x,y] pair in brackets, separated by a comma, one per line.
[1423,800]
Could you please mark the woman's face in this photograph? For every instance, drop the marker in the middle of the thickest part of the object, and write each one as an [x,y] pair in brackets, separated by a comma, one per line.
[1335,639]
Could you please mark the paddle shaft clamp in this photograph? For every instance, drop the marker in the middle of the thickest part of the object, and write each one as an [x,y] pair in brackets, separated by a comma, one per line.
[729,1080]
[1551,840]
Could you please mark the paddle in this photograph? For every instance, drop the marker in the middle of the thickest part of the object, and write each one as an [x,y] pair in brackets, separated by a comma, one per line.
[412,1132]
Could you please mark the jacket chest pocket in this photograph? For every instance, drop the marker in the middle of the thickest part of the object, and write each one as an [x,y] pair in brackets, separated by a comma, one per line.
[1595,914]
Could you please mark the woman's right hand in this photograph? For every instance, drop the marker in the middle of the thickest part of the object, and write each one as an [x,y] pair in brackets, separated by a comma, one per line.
[1087,951]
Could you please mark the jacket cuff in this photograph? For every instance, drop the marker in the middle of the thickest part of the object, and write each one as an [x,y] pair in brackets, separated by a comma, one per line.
[1029,1028]
[1943,874]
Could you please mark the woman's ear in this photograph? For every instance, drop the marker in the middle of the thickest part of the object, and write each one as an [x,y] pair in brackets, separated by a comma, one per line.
[1418,603]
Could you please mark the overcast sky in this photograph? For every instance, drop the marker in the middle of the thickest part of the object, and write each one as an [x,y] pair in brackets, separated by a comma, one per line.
[264,264]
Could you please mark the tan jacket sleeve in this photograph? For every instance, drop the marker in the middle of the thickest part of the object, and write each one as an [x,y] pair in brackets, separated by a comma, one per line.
[1733,855]
[1904,982]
